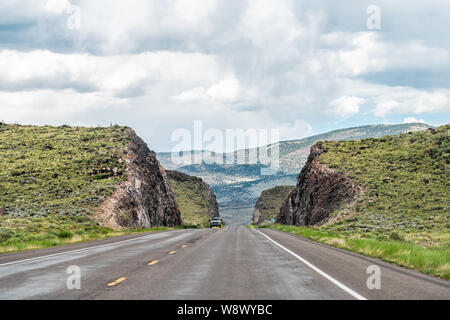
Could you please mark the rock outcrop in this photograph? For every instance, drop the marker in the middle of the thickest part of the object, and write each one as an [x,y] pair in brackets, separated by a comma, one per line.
[145,198]
[320,190]
[258,216]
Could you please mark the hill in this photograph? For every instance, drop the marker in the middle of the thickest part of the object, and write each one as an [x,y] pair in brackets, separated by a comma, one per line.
[394,188]
[77,180]
[196,200]
[240,185]
[269,203]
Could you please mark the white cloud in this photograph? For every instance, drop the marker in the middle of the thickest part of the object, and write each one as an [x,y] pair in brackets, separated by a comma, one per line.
[297,130]
[412,120]
[267,23]
[346,107]
[354,54]
[285,64]
[385,106]
[56,6]
[119,75]
[223,92]
[406,100]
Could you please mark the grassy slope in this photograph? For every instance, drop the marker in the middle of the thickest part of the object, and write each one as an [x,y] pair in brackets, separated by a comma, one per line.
[192,200]
[51,179]
[404,217]
[49,170]
[19,234]
[408,181]
[270,201]
[434,260]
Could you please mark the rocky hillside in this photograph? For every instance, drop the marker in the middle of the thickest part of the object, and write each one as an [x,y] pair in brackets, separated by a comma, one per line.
[105,176]
[195,198]
[145,199]
[239,185]
[395,184]
[269,203]
[320,191]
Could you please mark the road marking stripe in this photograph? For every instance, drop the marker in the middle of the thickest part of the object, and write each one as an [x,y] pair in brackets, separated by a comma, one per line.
[172,252]
[83,249]
[184,246]
[153,262]
[328,277]
[116,282]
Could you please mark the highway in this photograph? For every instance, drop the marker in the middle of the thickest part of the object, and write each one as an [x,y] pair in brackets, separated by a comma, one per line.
[230,263]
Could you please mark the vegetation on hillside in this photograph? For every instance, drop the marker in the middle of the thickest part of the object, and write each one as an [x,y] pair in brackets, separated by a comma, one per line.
[58,170]
[270,201]
[52,178]
[407,177]
[404,215]
[238,186]
[192,198]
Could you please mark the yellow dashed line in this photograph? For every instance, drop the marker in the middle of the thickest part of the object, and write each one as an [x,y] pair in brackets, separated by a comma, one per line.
[153,262]
[116,282]
[184,246]
[172,252]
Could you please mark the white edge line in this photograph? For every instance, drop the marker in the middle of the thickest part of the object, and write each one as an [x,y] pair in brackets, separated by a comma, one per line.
[75,251]
[323,274]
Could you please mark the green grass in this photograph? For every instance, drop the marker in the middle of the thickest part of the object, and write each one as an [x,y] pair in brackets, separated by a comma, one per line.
[58,170]
[53,178]
[403,217]
[19,234]
[407,178]
[433,260]
[51,181]
[192,199]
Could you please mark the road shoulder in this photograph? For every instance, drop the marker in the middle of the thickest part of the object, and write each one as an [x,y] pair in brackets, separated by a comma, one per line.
[354,270]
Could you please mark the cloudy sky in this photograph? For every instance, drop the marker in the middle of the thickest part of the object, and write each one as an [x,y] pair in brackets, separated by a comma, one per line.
[302,67]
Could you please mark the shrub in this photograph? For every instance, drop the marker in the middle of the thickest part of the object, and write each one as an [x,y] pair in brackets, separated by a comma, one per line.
[5,235]
[395,236]
[65,234]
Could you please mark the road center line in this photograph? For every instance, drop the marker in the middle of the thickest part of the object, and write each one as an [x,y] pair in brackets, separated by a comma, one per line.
[153,262]
[323,274]
[116,282]
[172,252]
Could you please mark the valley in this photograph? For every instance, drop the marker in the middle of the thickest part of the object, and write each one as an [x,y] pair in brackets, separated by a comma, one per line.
[238,186]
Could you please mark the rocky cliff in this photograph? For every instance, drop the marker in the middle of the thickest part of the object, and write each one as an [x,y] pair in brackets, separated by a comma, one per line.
[145,199]
[320,190]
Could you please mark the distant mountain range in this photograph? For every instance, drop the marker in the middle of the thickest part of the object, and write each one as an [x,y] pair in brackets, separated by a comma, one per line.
[240,185]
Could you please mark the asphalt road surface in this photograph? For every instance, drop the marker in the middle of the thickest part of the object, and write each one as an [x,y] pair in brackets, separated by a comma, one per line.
[230,263]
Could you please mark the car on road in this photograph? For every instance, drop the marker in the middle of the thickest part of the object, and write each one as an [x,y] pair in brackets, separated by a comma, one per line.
[216,222]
